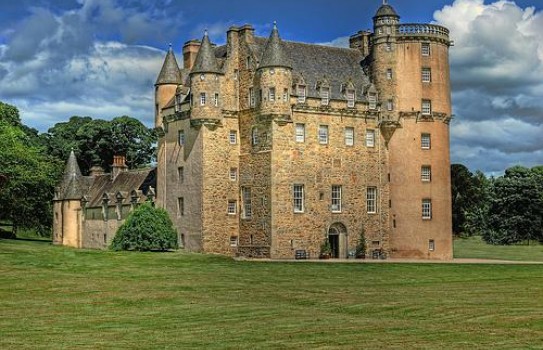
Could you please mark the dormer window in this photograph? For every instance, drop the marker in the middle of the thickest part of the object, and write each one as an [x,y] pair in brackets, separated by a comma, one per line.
[325,95]
[300,91]
[372,100]
[350,98]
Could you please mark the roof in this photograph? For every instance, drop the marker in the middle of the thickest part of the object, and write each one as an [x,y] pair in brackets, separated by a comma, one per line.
[206,62]
[274,54]
[170,73]
[386,10]
[71,186]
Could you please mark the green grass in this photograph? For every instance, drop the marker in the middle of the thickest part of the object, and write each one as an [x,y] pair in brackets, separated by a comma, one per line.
[474,247]
[60,298]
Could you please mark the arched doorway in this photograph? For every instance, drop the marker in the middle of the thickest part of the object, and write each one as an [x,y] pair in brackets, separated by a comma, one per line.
[337,236]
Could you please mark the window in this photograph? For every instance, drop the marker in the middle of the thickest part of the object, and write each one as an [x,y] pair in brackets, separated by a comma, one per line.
[426,209]
[426,107]
[233,241]
[325,96]
[285,95]
[202,99]
[389,74]
[216,99]
[300,91]
[336,199]
[431,245]
[388,30]
[180,206]
[388,46]
[232,207]
[248,62]
[425,49]
[390,105]
[271,94]
[349,136]
[233,174]
[323,134]
[246,200]
[372,100]
[300,132]
[370,138]
[254,136]
[371,200]
[425,141]
[181,174]
[181,137]
[426,173]
[233,137]
[426,75]
[298,198]
[251,97]
[350,98]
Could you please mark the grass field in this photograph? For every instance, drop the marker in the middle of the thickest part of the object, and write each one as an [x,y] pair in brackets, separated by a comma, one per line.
[474,247]
[60,298]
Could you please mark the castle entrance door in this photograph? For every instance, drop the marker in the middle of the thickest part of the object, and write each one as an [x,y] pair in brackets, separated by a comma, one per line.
[337,236]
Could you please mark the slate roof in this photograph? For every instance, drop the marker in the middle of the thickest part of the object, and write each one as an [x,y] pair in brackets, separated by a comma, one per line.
[274,54]
[206,62]
[386,10]
[170,73]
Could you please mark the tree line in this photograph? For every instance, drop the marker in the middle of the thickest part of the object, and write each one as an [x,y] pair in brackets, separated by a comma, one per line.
[503,210]
[31,163]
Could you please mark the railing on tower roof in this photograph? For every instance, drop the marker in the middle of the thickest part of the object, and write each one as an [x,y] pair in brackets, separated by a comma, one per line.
[415,29]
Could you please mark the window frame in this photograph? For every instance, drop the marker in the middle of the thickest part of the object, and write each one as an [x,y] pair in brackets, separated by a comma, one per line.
[254,136]
[390,104]
[323,135]
[325,95]
[336,199]
[233,174]
[301,92]
[181,138]
[351,97]
[426,209]
[370,138]
[271,94]
[425,140]
[371,200]
[426,107]
[372,100]
[299,137]
[252,97]
[231,208]
[426,173]
[425,49]
[298,198]
[426,75]
[349,136]
[216,99]
[203,98]
[233,137]
[246,207]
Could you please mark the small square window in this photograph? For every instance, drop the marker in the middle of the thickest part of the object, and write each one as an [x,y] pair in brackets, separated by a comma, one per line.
[233,137]
[426,173]
[232,207]
[349,136]
[233,174]
[323,134]
[370,138]
[425,49]
[425,141]
[426,107]
[426,209]
[300,132]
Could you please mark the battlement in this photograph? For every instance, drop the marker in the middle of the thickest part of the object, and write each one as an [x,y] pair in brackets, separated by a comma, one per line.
[417,30]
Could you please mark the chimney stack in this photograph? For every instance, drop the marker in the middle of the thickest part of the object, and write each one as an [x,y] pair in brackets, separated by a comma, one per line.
[119,166]
[190,51]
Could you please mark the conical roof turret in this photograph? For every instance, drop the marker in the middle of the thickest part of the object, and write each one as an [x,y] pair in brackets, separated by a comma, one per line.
[72,168]
[274,54]
[206,62]
[170,73]
[71,186]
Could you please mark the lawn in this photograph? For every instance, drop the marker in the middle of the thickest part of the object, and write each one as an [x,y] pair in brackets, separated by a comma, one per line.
[474,247]
[60,298]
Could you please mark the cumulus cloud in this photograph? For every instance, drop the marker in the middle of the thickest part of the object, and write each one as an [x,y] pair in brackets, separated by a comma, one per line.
[56,65]
[497,83]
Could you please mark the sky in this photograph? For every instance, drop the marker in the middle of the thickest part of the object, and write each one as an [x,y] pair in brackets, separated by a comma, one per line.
[100,58]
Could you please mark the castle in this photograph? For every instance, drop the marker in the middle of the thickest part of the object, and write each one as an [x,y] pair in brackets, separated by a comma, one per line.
[269,147]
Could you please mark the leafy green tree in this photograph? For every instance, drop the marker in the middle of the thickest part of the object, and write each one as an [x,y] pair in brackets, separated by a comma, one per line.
[146,228]
[96,141]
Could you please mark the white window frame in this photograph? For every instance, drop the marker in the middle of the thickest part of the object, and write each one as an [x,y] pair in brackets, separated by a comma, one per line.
[426,173]
[431,245]
[298,196]
[234,241]
[335,204]
[232,207]
[349,136]
[370,138]
[247,211]
[299,132]
[390,105]
[323,134]
[351,96]
[233,174]
[372,100]
[271,94]
[388,47]
[426,209]
[426,75]
[300,91]
[426,107]
[325,95]
[252,100]
[181,137]
[389,73]
[233,137]
[202,98]
[216,99]
[285,94]
[371,200]
[425,49]
[425,141]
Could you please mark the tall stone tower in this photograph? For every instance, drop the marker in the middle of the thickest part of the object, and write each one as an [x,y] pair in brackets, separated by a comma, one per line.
[410,68]
[166,84]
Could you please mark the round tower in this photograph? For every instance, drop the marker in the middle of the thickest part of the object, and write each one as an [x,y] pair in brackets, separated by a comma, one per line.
[274,78]
[410,69]
[205,83]
[166,84]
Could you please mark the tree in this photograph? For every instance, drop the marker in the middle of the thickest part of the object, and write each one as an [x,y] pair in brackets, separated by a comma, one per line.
[29,178]
[96,141]
[146,228]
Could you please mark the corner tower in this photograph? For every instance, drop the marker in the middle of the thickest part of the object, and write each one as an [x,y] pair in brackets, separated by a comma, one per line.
[410,68]
[166,84]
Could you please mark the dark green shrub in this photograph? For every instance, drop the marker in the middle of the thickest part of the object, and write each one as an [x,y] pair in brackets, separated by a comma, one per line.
[146,228]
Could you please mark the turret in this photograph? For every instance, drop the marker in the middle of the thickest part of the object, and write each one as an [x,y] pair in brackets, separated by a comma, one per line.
[274,78]
[205,85]
[166,84]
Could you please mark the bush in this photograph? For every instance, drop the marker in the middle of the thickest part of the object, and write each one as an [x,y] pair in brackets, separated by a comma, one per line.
[146,228]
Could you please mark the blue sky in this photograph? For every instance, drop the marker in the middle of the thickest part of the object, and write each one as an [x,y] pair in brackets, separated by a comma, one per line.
[101,57]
